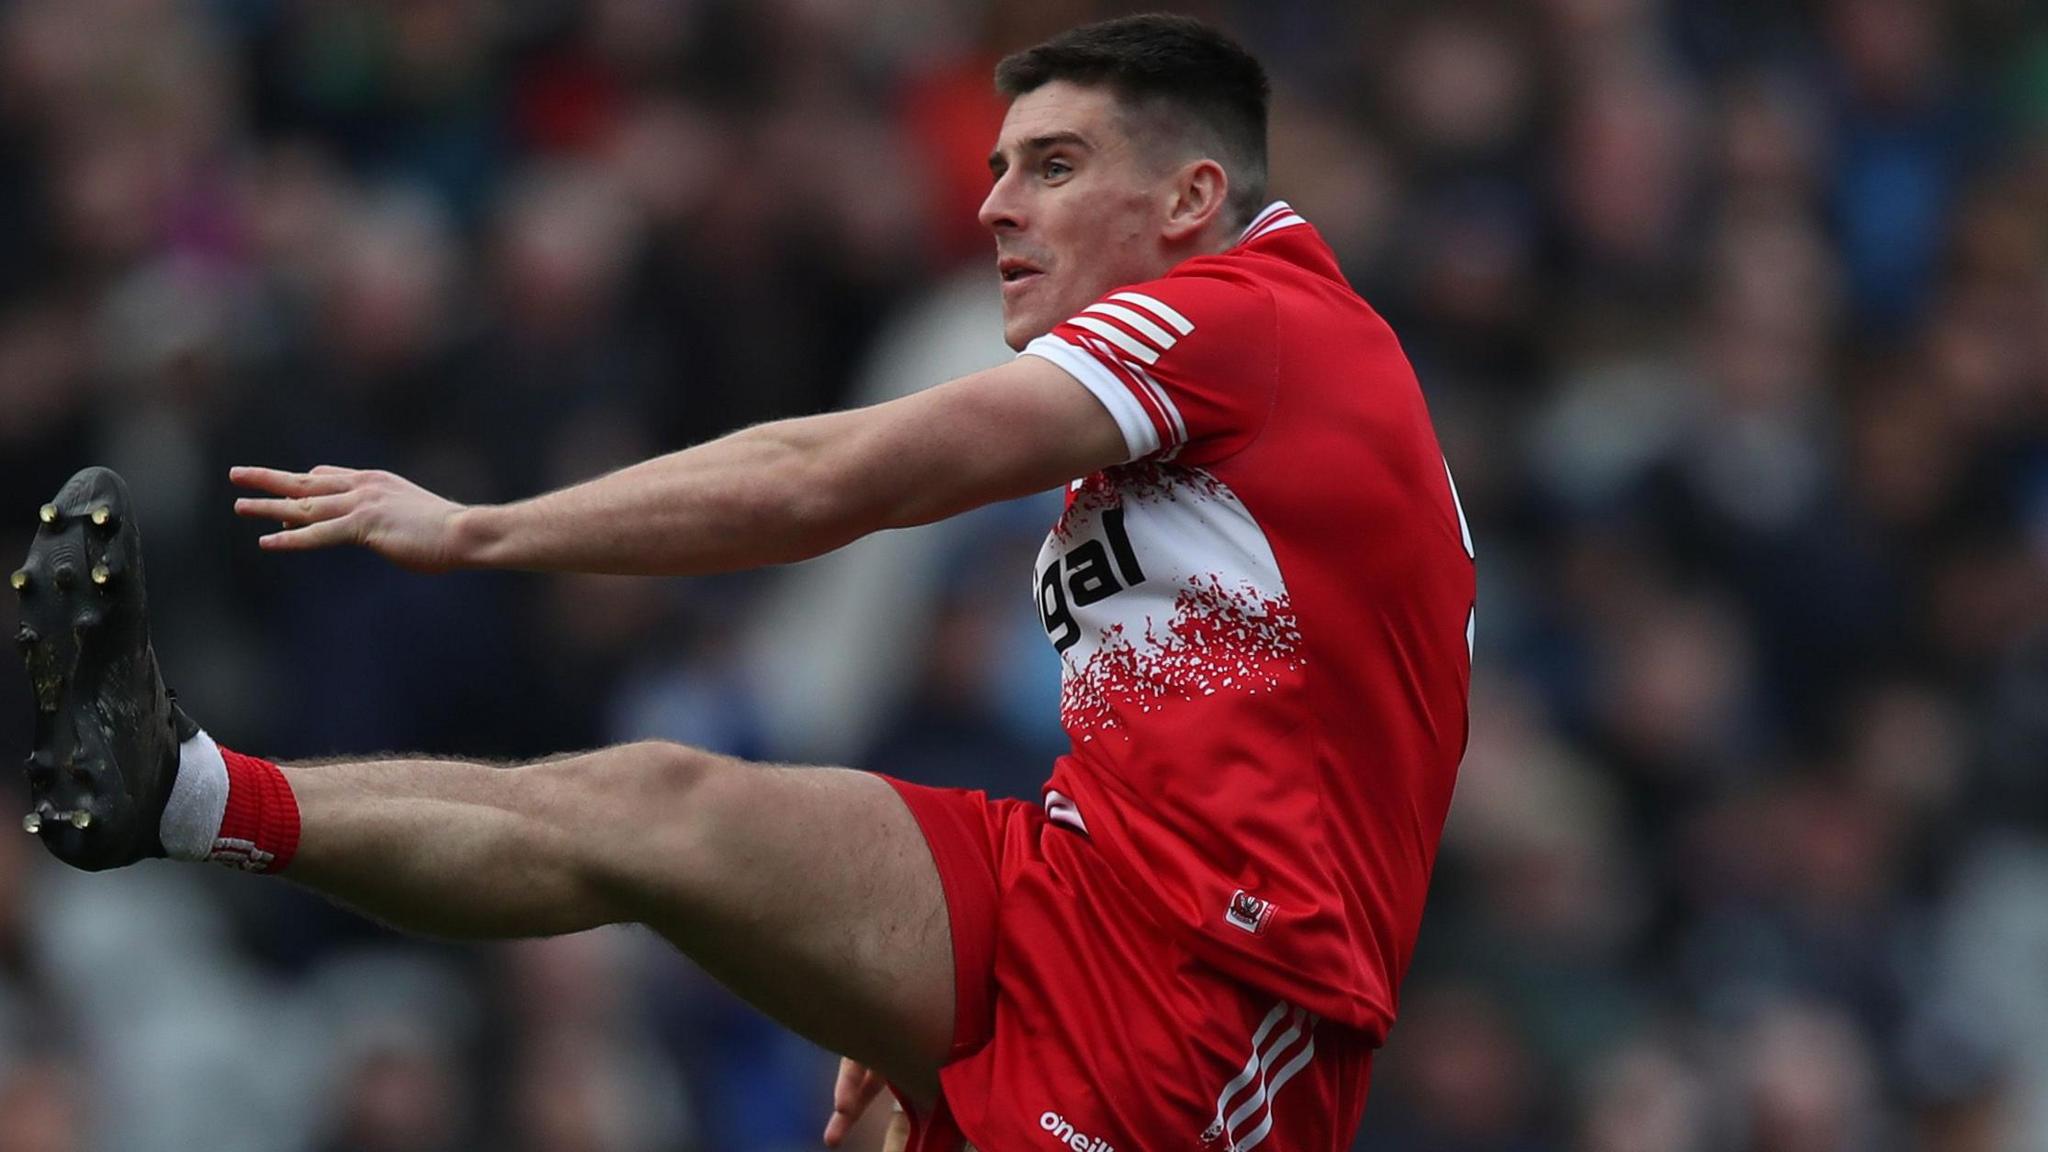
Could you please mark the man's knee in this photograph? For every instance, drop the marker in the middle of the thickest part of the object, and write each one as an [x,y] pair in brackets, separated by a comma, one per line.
[655,804]
[671,791]
[656,770]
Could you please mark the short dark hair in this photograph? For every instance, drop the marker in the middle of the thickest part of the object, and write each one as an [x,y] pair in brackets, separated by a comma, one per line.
[1175,63]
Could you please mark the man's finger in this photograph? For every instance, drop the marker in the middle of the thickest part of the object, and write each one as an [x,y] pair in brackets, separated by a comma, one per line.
[898,1137]
[844,1117]
[294,512]
[855,1089]
[852,1091]
[325,534]
[281,483]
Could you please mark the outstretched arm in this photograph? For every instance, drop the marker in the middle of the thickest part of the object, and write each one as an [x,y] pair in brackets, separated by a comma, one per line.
[770,494]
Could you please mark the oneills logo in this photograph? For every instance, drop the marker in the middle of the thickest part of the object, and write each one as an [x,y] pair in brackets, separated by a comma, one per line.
[1064,1132]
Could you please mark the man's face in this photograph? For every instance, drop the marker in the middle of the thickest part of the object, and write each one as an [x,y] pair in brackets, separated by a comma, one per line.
[1076,208]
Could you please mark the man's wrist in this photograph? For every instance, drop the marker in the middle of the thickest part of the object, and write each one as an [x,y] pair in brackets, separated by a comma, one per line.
[474,533]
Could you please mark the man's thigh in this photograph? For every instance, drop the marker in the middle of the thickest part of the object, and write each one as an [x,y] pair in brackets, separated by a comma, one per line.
[811,893]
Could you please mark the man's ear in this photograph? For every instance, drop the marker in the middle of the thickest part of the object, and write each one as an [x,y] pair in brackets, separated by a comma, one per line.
[1200,192]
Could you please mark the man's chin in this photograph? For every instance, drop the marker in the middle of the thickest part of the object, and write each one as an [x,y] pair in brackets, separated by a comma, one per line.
[1018,333]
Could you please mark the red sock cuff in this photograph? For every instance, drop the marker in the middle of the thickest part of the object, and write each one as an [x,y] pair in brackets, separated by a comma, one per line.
[260,830]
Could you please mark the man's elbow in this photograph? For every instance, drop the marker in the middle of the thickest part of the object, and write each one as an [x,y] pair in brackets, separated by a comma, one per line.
[864,481]
[824,509]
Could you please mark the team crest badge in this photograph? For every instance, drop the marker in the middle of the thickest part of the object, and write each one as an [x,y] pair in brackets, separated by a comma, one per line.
[1249,912]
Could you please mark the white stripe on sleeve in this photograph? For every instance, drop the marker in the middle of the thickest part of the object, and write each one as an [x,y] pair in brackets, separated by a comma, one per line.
[1158,308]
[1160,337]
[1141,435]
[1118,337]
[1179,429]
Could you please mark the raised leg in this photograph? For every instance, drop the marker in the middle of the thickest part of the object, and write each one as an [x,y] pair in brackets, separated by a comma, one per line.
[807,891]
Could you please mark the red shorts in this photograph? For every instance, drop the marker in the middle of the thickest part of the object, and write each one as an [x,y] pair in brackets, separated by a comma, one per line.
[1079,1022]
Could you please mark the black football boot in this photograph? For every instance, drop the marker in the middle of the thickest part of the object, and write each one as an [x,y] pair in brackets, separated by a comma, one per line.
[106,731]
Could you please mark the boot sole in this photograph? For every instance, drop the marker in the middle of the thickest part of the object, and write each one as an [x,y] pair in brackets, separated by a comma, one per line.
[100,703]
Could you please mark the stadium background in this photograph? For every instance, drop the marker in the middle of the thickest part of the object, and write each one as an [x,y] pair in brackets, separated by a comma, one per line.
[1733,317]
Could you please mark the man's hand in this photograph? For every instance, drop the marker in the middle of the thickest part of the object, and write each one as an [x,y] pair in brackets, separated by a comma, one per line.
[329,506]
[856,1089]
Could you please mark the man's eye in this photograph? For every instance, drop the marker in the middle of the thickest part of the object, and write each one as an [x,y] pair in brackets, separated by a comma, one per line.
[1057,168]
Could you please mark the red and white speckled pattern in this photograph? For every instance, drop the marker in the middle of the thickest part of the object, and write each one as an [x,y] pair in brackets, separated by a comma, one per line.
[1219,639]
[1146,480]
[1141,482]
[1212,616]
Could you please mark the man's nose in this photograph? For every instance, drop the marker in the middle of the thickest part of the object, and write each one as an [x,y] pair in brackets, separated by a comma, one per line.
[1000,211]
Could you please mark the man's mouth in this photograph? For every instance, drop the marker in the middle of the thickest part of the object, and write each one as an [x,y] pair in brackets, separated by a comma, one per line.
[1017,271]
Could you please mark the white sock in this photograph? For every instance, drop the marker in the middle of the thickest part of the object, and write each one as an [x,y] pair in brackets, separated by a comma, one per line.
[198,803]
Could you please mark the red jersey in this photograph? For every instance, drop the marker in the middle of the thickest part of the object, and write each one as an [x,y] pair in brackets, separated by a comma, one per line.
[1264,620]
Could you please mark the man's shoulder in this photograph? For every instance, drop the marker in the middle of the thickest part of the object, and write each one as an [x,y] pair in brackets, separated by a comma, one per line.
[1250,277]
[1212,292]
[1238,269]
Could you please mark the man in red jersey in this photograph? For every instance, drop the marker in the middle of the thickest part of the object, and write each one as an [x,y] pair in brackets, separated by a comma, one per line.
[1261,590]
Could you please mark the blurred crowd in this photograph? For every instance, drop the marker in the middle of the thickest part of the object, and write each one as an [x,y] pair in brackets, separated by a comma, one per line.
[1733,315]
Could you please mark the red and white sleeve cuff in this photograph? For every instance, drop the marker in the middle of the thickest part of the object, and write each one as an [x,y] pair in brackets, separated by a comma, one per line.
[1141,433]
